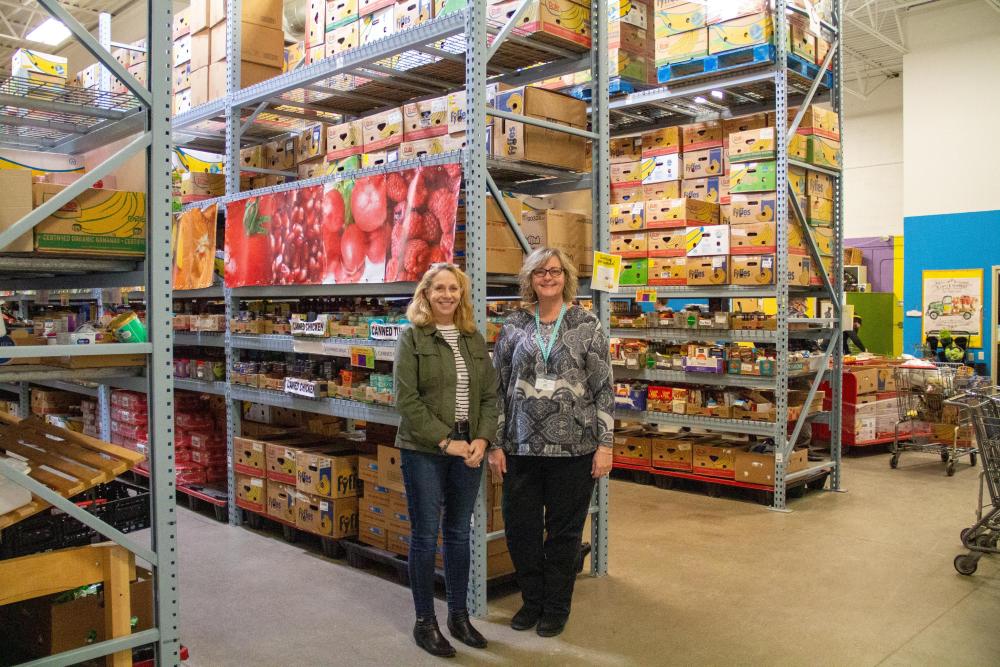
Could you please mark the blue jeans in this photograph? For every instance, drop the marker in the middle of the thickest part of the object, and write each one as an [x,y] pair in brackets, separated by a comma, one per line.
[435,482]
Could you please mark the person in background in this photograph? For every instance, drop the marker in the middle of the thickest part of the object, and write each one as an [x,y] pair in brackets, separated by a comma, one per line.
[555,434]
[446,397]
[851,336]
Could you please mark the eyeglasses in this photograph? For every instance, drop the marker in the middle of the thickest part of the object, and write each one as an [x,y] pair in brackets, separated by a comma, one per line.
[554,273]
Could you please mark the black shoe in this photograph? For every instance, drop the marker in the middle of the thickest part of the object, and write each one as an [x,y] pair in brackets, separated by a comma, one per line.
[550,626]
[462,630]
[526,617]
[429,638]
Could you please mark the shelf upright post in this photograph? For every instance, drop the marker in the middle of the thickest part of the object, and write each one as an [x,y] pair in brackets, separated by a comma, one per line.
[475,249]
[600,194]
[836,374]
[781,269]
[24,400]
[234,414]
[104,37]
[159,320]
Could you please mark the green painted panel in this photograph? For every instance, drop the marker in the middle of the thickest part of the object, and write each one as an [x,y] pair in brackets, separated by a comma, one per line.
[876,309]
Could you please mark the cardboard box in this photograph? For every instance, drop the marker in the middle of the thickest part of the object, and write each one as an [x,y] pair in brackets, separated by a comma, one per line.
[699,136]
[336,518]
[714,460]
[397,542]
[251,493]
[667,271]
[629,244]
[703,189]
[425,119]
[707,240]
[181,51]
[626,174]
[626,217]
[886,379]
[678,17]
[699,164]
[258,44]
[411,13]
[740,32]
[753,239]
[343,38]
[281,457]
[570,232]
[15,204]
[250,74]
[250,456]
[378,24]
[281,501]
[372,531]
[634,272]
[199,86]
[672,453]
[820,185]
[681,47]
[759,468]
[824,152]
[328,472]
[382,130]
[629,37]
[556,22]
[798,147]
[390,471]
[819,210]
[660,169]
[821,122]
[266,13]
[752,208]
[751,269]
[535,144]
[282,155]
[182,23]
[744,123]
[752,145]
[666,243]
[202,184]
[344,140]
[865,378]
[182,77]
[200,49]
[680,212]
[753,177]
[198,15]
[799,270]
[664,141]
[627,195]
[95,222]
[632,449]
[625,150]
[708,270]
[659,191]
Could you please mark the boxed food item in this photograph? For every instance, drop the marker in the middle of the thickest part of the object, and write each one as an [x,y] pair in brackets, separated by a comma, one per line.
[680,212]
[411,150]
[378,24]
[251,493]
[535,144]
[281,501]
[751,269]
[753,239]
[95,222]
[680,47]
[629,244]
[250,74]
[823,152]
[820,185]
[282,455]
[666,243]
[626,174]
[664,190]
[667,271]
[752,208]
[752,145]
[708,270]
[821,122]
[258,44]
[703,189]
[382,130]
[570,232]
[411,13]
[699,164]
[799,270]
[753,177]
[707,241]
[343,38]
[390,471]
[671,452]
[344,140]
[556,22]
[626,217]
[625,149]
[672,18]
[698,136]
[633,448]
[328,517]
[39,67]
[425,119]
[664,141]
[328,472]
[627,195]
[312,143]
[634,272]
[754,468]
[660,168]
[282,155]
[740,32]
[744,123]
[819,211]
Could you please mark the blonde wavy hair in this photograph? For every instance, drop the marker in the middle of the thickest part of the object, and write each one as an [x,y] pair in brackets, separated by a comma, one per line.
[538,260]
[419,311]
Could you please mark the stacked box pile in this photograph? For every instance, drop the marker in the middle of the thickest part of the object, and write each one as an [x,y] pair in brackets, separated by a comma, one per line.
[199,440]
[88,409]
[130,422]
[695,204]
[687,31]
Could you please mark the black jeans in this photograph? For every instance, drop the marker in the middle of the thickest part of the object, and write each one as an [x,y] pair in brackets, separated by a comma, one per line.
[545,503]
[435,482]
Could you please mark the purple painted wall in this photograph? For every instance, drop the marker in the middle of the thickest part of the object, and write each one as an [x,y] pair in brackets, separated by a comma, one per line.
[878,257]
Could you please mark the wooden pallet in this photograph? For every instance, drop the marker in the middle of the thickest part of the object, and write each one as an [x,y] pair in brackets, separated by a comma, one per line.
[67,462]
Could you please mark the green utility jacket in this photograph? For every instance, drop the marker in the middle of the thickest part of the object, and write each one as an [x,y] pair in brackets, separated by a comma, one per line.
[425,380]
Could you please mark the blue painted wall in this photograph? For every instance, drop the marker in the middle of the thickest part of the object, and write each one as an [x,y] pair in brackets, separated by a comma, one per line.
[949,241]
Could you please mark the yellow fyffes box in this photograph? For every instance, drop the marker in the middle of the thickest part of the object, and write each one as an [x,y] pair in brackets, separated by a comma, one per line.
[38,66]
[626,217]
[677,17]
[740,32]
[820,211]
[682,46]
[823,152]
[95,222]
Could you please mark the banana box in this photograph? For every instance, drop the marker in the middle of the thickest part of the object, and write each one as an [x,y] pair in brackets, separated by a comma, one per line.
[671,452]
[294,57]
[698,136]
[680,212]
[632,38]
[382,130]
[798,147]
[752,145]
[39,67]
[800,269]
[368,6]
[629,244]
[820,211]
[699,164]
[95,222]
[660,169]
[826,266]
[753,239]
[343,38]
[823,236]
[281,501]
[626,217]
[740,32]
[422,120]
[665,141]
[821,122]
[412,150]
[627,194]
[312,144]
[409,14]
[725,214]
[667,271]
[182,50]
[714,461]
[745,123]
[680,47]
[368,469]
[824,152]
[201,185]
[282,154]
[703,189]
[340,12]
[665,190]
[707,241]
[751,270]
[798,179]
[747,209]
[325,516]
[327,472]
[718,11]
[182,77]
[666,243]
[634,272]
[373,531]
[672,18]
[625,149]
[626,174]
[343,165]
[390,470]
[632,66]
[555,22]
[638,13]
[281,457]
[399,542]
[801,41]
[708,270]
[378,25]
[753,177]
[818,184]
[251,493]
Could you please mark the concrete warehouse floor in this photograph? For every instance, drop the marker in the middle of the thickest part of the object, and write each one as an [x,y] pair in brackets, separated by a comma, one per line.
[861,578]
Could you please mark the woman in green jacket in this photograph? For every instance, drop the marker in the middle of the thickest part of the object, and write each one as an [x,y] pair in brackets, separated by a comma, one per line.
[446,397]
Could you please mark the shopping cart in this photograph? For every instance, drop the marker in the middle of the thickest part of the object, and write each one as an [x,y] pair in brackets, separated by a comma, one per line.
[983,406]
[926,421]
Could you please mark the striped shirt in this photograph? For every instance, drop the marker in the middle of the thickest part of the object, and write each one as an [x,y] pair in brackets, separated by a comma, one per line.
[451,335]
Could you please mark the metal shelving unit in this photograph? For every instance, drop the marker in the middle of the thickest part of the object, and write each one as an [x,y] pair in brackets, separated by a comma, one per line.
[772,85]
[60,119]
[447,53]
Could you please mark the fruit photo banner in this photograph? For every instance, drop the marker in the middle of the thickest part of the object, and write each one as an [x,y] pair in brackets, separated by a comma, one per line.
[383,228]
[194,248]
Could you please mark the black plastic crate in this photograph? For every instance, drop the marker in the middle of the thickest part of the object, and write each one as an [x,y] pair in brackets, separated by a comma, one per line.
[123,505]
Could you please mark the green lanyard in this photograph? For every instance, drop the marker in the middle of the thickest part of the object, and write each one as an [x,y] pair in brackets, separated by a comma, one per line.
[546,349]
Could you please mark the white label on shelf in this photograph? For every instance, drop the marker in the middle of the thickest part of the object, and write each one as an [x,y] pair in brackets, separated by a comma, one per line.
[385,354]
[385,331]
[308,347]
[302,387]
[779,458]
[336,349]
[314,328]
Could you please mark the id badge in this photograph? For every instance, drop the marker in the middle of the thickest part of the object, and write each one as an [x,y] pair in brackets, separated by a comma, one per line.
[545,384]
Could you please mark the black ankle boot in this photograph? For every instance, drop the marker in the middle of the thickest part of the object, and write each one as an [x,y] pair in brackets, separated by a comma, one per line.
[462,630]
[551,625]
[429,638]
[526,617]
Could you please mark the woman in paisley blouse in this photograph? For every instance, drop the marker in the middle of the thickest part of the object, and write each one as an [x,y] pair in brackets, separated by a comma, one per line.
[555,434]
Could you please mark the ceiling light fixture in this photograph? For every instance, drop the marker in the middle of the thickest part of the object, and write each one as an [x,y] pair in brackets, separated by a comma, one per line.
[717,94]
[700,100]
[51,32]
